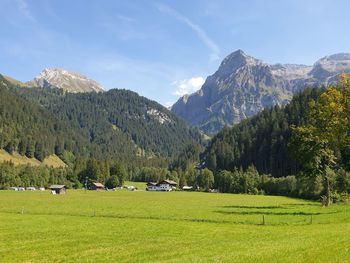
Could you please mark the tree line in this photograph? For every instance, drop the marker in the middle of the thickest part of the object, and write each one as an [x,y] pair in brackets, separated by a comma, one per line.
[249,181]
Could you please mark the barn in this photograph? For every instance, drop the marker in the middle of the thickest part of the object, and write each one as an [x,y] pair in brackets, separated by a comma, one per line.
[97,186]
[58,189]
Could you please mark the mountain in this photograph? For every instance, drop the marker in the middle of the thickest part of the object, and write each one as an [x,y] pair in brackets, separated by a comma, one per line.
[32,131]
[117,123]
[244,86]
[63,79]
[261,140]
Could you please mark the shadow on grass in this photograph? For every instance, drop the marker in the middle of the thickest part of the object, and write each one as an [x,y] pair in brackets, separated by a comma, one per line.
[254,207]
[316,204]
[272,213]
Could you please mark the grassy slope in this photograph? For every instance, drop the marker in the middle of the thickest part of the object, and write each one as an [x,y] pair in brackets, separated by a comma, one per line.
[125,226]
[54,161]
[15,82]
[18,159]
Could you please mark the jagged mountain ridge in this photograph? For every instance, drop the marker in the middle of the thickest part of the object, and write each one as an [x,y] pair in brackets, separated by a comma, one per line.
[244,85]
[67,80]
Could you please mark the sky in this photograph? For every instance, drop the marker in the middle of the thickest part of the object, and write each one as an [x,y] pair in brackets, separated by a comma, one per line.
[164,49]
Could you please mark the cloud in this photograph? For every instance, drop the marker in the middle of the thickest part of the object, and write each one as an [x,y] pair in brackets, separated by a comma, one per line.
[202,35]
[23,7]
[168,104]
[123,27]
[187,86]
[126,19]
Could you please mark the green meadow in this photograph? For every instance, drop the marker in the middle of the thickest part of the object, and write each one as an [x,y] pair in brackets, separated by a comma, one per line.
[140,226]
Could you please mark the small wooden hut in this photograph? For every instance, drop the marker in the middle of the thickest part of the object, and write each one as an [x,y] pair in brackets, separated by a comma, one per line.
[97,186]
[58,189]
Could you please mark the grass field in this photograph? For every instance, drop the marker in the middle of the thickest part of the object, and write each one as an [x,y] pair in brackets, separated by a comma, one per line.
[139,185]
[140,226]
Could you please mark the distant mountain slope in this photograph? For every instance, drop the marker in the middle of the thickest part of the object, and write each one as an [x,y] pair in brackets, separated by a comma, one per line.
[66,80]
[117,121]
[117,124]
[30,130]
[243,86]
[14,82]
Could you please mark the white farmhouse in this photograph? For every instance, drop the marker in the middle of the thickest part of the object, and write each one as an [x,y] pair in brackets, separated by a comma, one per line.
[165,185]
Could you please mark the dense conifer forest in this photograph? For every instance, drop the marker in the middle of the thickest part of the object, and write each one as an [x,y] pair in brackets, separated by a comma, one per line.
[261,140]
[117,124]
[30,130]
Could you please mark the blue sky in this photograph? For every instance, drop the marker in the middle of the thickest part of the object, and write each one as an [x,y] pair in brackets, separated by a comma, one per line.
[163,49]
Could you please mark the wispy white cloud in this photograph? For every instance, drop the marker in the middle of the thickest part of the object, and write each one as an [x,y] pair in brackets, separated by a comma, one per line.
[202,35]
[187,86]
[23,7]
[123,27]
[151,79]
[168,104]
[126,19]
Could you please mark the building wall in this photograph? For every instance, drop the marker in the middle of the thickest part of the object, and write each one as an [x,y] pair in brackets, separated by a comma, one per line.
[161,187]
[152,188]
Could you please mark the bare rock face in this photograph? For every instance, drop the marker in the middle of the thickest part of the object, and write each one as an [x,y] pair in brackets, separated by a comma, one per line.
[243,86]
[68,81]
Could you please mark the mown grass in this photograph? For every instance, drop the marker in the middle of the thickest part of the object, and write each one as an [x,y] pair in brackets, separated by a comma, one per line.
[139,185]
[126,226]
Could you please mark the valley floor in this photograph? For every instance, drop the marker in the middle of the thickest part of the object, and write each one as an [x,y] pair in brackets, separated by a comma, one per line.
[125,226]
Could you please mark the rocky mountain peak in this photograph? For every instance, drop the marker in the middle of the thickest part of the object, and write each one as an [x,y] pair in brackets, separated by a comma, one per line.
[67,80]
[334,63]
[235,61]
[244,85]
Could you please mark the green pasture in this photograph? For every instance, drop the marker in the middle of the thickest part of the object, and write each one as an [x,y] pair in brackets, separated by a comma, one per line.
[139,185]
[140,226]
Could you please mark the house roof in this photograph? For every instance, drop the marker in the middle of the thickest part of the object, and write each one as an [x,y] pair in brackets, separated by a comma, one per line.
[168,182]
[151,183]
[98,184]
[57,186]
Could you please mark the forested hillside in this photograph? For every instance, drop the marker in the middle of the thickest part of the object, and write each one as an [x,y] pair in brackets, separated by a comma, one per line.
[118,122]
[30,130]
[261,140]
